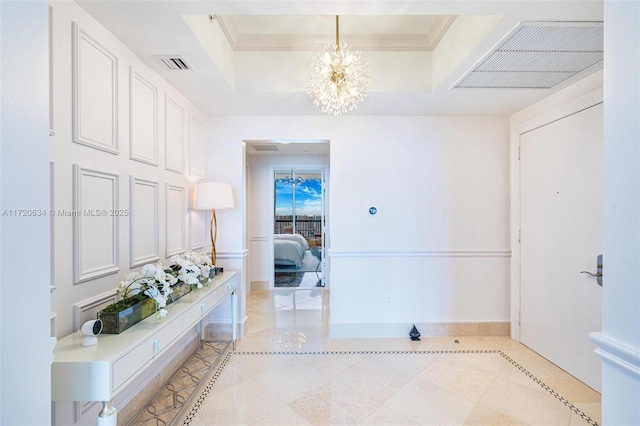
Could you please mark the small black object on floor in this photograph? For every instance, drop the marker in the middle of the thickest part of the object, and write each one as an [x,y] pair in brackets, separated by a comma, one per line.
[414,334]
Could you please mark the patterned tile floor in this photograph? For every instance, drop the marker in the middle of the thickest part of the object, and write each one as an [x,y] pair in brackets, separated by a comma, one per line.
[287,371]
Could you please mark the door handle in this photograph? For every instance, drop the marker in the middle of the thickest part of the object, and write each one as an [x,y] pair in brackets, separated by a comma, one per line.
[598,273]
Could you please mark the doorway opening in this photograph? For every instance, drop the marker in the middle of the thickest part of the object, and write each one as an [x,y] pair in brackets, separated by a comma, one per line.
[299,227]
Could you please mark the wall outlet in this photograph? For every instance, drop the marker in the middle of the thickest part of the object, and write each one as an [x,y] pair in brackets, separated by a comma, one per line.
[388,300]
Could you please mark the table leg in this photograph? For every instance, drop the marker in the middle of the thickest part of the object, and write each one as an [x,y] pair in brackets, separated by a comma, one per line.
[234,303]
[108,416]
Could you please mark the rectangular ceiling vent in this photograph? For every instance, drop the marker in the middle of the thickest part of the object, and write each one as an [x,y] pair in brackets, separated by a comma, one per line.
[538,55]
[175,62]
[265,148]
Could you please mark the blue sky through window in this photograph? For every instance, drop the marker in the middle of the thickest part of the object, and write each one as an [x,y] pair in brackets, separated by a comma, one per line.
[308,197]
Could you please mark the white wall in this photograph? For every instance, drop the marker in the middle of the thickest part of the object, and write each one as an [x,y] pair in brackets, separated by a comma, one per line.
[440,241]
[619,342]
[259,203]
[25,346]
[123,139]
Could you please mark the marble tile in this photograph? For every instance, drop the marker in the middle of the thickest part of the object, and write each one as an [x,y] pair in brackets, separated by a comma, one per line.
[411,364]
[329,381]
[490,363]
[591,409]
[428,404]
[326,405]
[386,416]
[483,416]
[286,381]
[525,404]
[460,379]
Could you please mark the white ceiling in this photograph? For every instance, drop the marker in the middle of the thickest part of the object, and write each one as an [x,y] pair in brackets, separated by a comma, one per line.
[262,70]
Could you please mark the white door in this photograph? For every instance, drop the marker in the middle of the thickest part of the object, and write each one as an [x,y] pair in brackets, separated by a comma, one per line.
[561,235]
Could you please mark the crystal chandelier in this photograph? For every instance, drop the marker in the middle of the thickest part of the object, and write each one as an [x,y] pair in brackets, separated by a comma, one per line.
[338,77]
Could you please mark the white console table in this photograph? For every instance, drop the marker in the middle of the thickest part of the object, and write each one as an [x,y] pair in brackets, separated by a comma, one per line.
[100,372]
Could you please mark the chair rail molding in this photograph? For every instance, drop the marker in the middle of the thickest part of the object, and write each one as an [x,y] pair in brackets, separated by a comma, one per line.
[617,353]
[337,253]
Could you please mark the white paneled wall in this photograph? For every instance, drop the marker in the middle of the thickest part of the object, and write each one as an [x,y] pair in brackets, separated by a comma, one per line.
[121,188]
[94,193]
[144,222]
[143,119]
[120,182]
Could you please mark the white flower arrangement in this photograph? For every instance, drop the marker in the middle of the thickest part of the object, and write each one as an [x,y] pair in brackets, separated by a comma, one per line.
[153,280]
[192,268]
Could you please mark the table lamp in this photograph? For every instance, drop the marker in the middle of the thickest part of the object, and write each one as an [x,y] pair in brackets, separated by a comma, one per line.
[213,196]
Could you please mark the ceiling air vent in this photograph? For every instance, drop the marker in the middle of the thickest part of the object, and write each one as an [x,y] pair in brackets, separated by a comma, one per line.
[265,148]
[538,55]
[175,62]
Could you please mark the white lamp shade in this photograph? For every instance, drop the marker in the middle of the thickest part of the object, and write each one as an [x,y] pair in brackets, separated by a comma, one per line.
[213,195]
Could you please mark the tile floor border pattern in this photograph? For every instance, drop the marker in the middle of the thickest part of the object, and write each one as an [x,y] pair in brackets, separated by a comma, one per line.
[194,410]
[183,385]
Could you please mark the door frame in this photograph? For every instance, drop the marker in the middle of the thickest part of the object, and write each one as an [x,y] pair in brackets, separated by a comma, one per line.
[566,109]
[325,216]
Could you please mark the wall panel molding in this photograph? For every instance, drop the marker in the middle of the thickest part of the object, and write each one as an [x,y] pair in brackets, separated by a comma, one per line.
[175,217]
[53,324]
[95,93]
[52,130]
[419,253]
[196,147]
[196,225]
[174,135]
[96,238]
[240,254]
[88,309]
[52,223]
[144,222]
[143,119]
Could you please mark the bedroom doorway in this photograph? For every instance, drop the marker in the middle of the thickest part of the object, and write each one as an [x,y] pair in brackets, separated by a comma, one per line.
[299,227]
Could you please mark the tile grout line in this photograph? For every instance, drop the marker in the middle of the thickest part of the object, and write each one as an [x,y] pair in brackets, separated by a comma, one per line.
[223,364]
[553,393]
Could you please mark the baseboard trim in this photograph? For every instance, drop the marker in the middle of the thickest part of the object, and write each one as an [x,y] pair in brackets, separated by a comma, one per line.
[431,329]
[619,354]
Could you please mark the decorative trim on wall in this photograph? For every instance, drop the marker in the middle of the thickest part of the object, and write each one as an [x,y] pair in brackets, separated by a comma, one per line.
[143,124]
[174,135]
[175,218]
[196,225]
[52,224]
[53,324]
[618,354]
[146,219]
[260,239]
[232,254]
[52,131]
[196,147]
[87,213]
[95,123]
[81,408]
[87,309]
[422,253]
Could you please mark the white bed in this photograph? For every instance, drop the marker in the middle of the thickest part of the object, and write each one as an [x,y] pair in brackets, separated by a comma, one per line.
[289,249]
